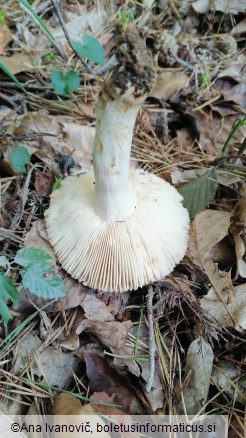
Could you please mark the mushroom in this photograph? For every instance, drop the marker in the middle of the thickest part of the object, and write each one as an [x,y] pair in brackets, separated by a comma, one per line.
[118,229]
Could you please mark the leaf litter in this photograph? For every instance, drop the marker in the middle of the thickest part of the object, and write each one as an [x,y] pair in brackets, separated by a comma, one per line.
[183,133]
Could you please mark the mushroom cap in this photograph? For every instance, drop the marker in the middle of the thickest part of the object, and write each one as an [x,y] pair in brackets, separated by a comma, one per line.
[118,256]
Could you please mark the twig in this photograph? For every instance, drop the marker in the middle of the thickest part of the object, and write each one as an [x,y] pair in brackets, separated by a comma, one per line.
[62,23]
[180,60]
[6,84]
[152,346]
[111,62]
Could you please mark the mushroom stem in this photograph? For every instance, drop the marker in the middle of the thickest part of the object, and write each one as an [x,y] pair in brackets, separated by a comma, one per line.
[116,116]
[120,98]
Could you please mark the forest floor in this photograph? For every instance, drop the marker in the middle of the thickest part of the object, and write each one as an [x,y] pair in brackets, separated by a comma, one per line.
[63,345]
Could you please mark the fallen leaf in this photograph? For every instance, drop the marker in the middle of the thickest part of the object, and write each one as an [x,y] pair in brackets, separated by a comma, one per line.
[238,231]
[93,21]
[68,405]
[229,7]
[167,83]
[37,237]
[95,309]
[80,139]
[104,378]
[198,370]
[17,63]
[52,137]
[111,334]
[230,309]
[5,37]
[211,227]
[62,369]
[44,182]
[201,6]
[239,29]
[226,376]
[25,352]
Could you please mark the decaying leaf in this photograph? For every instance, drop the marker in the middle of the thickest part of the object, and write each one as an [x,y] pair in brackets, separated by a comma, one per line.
[93,20]
[95,309]
[198,370]
[167,83]
[62,369]
[5,37]
[50,137]
[238,230]
[68,405]
[227,376]
[112,334]
[230,311]
[104,378]
[211,227]
[234,7]
[17,63]
[44,182]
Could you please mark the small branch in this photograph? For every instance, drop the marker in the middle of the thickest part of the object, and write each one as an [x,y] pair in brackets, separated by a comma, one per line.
[152,346]
[111,62]
[62,23]
[180,60]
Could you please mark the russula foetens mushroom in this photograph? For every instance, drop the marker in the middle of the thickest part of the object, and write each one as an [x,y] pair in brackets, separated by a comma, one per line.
[117,229]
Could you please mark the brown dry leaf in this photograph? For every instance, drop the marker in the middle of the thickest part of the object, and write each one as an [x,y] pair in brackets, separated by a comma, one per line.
[18,62]
[102,397]
[56,137]
[44,182]
[238,230]
[80,139]
[234,71]
[5,37]
[167,83]
[38,238]
[226,84]
[139,366]
[72,342]
[76,293]
[66,404]
[211,227]
[112,334]
[95,309]
[229,312]
[104,378]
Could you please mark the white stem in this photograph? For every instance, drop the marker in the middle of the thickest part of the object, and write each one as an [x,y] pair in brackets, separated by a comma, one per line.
[116,116]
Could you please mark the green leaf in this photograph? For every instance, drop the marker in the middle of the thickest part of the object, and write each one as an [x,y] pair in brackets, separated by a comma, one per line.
[49,286]
[8,291]
[19,158]
[2,17]
[90,48]
[64,84]
[199,192]
[11,76]
[57,184]
[29,255]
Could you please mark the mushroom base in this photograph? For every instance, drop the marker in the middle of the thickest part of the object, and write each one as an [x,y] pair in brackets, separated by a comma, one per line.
[118,256]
